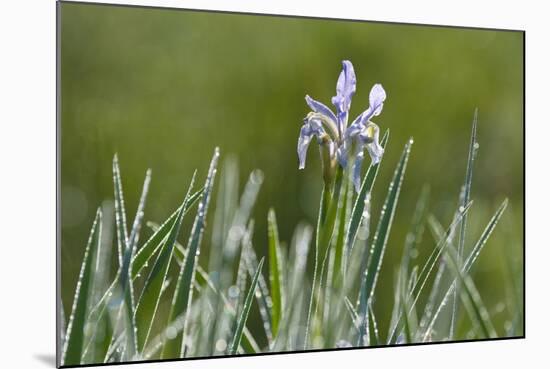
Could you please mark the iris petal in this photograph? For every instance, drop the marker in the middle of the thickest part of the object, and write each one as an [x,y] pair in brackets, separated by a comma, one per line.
[377,97]
[321,108]
[345,89]
[311,128]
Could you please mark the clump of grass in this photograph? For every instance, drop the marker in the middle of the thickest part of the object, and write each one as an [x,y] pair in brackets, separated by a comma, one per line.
[149,312]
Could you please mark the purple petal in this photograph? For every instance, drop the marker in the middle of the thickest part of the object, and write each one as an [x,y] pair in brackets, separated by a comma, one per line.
[303,143]
[321,108]
[372,143]
[310,129]
[345,87]
[377,97]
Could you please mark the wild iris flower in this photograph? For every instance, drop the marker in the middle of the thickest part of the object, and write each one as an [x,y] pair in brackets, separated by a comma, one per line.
[340,143]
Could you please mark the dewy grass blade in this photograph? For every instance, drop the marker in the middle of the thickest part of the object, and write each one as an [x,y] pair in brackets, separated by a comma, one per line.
[466,198]
[372,326]
[235,342]
[143,256]
[264,297]
[150,296]
[380,240]
[470,296]
[472,257]
[74,339]
[183,293]
[126,253]
[426,271]
[153,244]
[338,271]
[359,205]
[120,212]
[136,226]
[274,272]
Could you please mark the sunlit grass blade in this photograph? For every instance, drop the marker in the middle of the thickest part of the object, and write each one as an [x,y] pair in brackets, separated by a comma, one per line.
[372,328]
[154,243]
[274,271]
[126,253]
[476,250]
[466,198]
[380,240]
[120,212]
[150,295]
[183,293]
[236,341]
[470,296]
[97,332]
[344,210]
[470,260]
[74,339]
[359,205]
[142,257]
[426,271]
[248,343]
[136,225]
[264,297]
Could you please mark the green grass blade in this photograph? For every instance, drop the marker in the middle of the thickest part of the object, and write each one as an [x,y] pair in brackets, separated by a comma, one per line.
[380,240]
[470,296]
[154,243]
[470,260]
[183,293]
[466,198]
[150,295]
[142,257]
[126,253]
[338,271]
[120,212]
[359,205]
[136,226]
[236,341]
[274,271]
[74,339]
[264,297]
[484,236]
[426,271]
[372,328]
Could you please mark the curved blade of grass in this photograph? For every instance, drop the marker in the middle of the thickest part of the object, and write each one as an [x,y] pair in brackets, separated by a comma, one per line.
[359,205]
[249,344]
[274,271]
[466,198]
[380,240]
[150,296]
[372,328]
[143,255]
[470,296]
[472,257]
[236,341]
[153,244]
[74,339]
[338,271]
[136,226]
[411,241]
[120,212]
[126,252]
[426,271]
[183,293]
[263,298]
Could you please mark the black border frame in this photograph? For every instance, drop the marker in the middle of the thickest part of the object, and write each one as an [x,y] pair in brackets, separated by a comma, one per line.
[342,349]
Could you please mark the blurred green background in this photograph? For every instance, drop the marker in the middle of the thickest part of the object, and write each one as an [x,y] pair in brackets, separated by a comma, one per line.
[162,88]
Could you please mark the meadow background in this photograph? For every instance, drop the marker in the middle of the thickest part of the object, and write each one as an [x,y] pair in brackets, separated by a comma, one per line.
[162,88]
